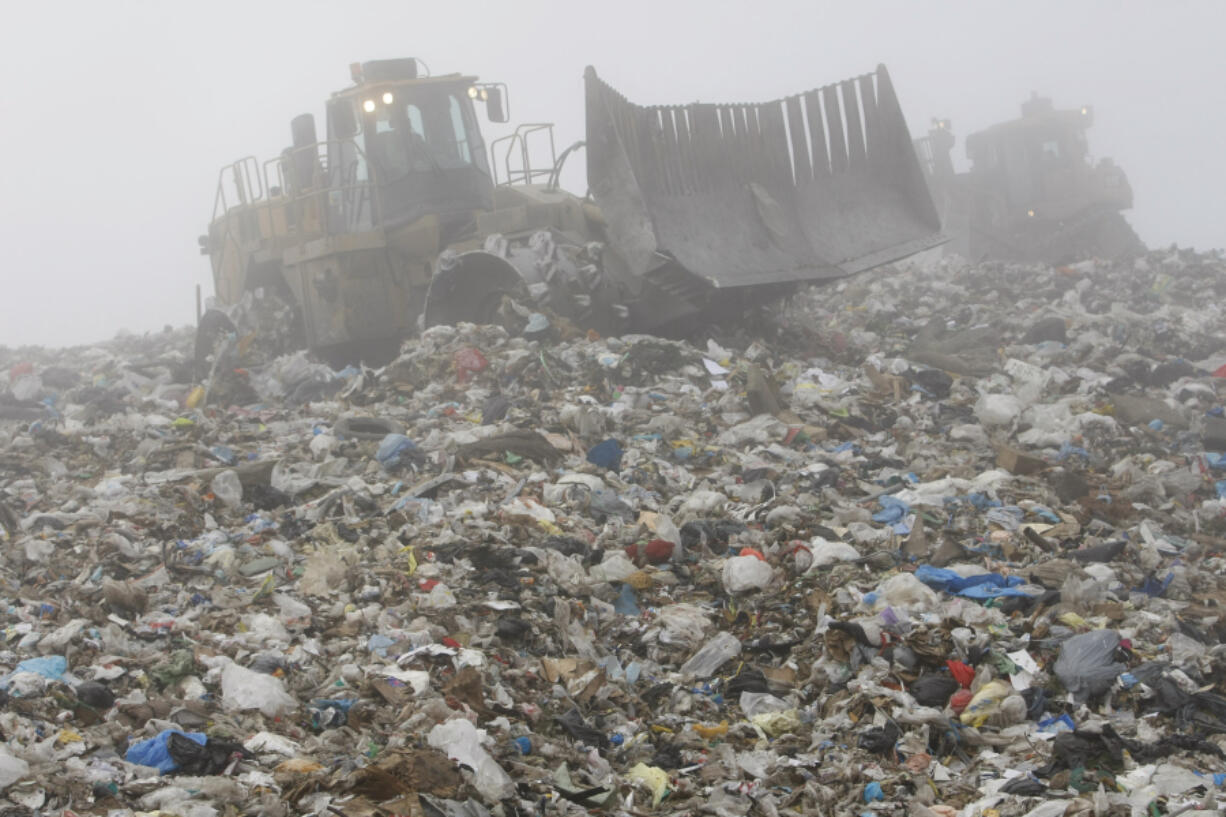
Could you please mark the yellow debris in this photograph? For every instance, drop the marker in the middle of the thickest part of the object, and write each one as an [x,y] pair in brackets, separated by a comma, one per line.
[298,765]
[655,778]
[711,732]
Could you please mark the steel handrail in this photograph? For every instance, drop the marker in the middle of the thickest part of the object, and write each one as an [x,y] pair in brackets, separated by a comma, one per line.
[525,173]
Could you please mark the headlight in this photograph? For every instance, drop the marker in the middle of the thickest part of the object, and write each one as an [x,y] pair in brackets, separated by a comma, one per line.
[387,97]
[1030,213]
[369,106]
[473,92]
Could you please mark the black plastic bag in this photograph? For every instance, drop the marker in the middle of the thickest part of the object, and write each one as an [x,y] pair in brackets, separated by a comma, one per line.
[214,757]
[933,690]
[880,740]
[575,726]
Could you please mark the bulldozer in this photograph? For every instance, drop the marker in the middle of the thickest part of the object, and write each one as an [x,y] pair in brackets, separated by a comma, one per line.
[1032,193]
[402,217]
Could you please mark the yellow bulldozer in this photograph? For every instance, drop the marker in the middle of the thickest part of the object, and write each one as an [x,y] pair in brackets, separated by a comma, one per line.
[402,216]
[1032,192]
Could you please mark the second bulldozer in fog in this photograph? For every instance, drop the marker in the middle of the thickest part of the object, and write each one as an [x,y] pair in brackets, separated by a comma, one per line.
[1032,192]
[403,217]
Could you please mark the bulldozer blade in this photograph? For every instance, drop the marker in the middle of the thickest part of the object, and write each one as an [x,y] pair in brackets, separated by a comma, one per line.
[816,186]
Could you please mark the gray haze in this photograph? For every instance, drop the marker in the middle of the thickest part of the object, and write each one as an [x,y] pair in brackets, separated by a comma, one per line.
[117,116]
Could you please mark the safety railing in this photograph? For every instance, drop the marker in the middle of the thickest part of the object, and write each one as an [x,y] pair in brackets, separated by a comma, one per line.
[298,192]
[244,177]
[520,146]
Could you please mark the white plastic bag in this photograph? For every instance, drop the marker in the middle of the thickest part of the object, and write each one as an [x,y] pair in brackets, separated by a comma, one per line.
[713,655]
[12,768]
[462,743]
[744,573]
[227,487]
[243,689]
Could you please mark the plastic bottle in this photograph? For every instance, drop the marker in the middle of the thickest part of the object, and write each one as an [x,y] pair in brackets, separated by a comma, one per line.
[720,649]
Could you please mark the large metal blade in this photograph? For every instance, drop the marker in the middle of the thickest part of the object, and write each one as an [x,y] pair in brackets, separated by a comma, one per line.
[818,185]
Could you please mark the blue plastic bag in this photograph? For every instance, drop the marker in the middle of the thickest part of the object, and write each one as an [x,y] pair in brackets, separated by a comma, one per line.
[982,586]
[155,751]
[51,667]
[893,510]
[396,450]
[607,454]
[627,603]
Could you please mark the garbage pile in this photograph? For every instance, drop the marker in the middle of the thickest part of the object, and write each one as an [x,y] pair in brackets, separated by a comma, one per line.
[941,540]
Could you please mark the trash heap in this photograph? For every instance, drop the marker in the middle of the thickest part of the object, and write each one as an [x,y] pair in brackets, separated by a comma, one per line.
[940,540]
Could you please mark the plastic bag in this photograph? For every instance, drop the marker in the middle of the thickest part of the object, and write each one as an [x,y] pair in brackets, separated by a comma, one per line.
[986,702]
[462,743]
[713,655]
[905,590]
[756,704]
[228,488]
[933,690]
[655,778]
[192,757]
[396,451]
[242,689]
[744,573]
[607,454]
[155,751]
[12,768]
[41,669]
[685,624]
[827,552]
[1087,664]
[997,409]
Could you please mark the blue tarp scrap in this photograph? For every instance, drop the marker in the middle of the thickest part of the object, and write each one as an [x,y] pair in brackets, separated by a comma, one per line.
[893,512]
[1219,778]
[51,667]
[1045,513]
[1062,723]
[982,586]
[1156,587]
[982,501]
[1069,450]
[1008,517]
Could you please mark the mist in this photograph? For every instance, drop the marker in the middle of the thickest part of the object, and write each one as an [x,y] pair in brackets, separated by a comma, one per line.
[119,116]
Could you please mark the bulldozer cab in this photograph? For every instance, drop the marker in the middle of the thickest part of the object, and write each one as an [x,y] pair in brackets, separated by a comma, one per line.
[1040,166]
[410,145]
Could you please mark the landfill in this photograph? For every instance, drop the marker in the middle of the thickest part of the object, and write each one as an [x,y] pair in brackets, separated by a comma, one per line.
[939,539]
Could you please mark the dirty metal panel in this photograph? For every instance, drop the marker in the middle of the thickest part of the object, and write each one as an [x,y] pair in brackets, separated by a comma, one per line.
[817,185]
[350,297]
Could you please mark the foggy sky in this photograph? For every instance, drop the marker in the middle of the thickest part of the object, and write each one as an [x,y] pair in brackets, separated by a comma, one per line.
[117,116]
